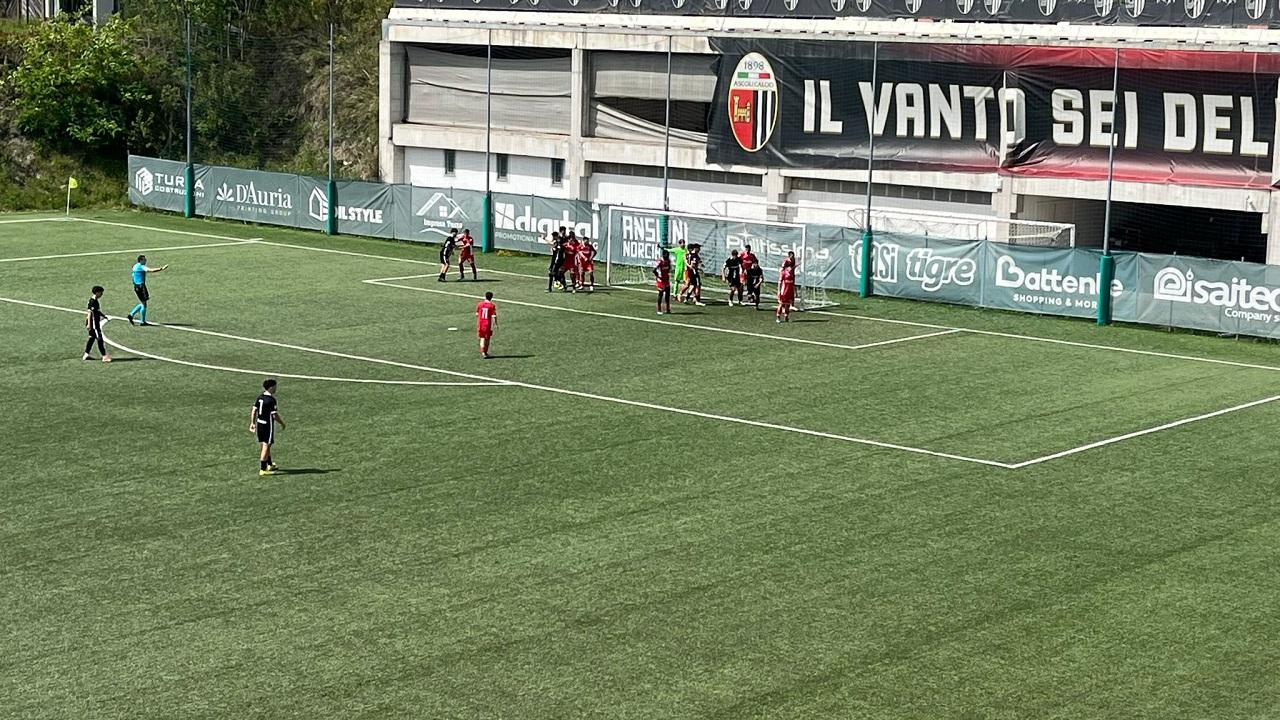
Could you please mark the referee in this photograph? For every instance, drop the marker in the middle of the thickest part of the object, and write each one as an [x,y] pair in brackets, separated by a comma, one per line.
[140,271]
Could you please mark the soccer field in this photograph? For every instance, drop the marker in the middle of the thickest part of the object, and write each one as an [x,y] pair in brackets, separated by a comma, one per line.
[885,510]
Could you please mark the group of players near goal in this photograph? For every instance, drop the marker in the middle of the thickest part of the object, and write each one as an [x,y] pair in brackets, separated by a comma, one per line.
[742,273]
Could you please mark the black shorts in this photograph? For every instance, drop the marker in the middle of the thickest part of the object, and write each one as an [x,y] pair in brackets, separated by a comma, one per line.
[266,432]
[735,282]
[445,255]
[141,292]
[695,279]
[95,330]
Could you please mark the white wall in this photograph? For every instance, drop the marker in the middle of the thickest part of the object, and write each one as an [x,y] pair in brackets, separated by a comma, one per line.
[525,175]
[830,202]
[683,195]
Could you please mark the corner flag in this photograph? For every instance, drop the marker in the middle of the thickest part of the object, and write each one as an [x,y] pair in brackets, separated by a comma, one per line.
[72,184]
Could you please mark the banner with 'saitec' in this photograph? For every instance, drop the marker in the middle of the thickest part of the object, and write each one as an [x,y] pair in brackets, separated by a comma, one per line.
[1177,117]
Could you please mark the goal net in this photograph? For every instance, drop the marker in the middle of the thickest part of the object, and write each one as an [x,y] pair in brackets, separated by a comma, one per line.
[635,238]
[909,221]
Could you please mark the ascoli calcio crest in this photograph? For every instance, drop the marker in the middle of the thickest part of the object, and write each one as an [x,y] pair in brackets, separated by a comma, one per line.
[753,102]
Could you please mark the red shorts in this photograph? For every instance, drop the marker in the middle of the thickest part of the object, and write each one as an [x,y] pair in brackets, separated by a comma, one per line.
[787,297]
[586,266]
[485,331]
[467,257]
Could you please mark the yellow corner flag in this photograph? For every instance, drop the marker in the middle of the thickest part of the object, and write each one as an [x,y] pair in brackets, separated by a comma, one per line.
[72,183]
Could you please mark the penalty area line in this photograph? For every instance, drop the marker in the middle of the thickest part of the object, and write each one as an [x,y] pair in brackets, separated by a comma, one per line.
[564,391]
[1140,433]
[387,282]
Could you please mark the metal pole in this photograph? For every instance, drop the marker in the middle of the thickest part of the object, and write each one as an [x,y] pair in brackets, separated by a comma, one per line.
[331,191]
[189,172]
[865,286]
[331,100]
[486,230]
[1107,264]
[666,137]
[1111,153]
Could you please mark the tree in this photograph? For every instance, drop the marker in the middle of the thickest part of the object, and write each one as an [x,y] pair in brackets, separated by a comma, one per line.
[81,89]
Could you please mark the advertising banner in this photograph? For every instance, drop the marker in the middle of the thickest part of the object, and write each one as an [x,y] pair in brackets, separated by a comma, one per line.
[1188,13]
[1214,295]
[251,195]
[525,222]
[161,184]
[1051,281]
[909,266]
[1185,117]
[427,214]
[363,208]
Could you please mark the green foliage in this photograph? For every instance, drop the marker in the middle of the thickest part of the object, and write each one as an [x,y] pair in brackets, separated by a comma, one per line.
[80,88]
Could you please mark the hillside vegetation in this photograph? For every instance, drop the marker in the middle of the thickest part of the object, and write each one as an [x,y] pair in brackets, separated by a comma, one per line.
[76,101]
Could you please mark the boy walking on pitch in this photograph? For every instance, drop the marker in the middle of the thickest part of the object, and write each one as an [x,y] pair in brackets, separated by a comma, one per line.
[786,289]
[140,271]
[93,322]
[732,276]
[486,323]
[586,264]
[262,422]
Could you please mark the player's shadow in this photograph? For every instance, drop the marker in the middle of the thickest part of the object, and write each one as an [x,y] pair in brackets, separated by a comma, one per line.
[173,324]
[810,320]
[125,359]
[308,471]
[510,357]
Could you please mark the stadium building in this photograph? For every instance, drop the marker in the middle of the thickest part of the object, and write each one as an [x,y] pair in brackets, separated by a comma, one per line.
[996,110]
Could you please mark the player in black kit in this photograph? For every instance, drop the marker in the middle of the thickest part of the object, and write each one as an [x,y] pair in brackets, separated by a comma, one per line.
[262,423]
[755,281]
[732,277]
[93,322]
[555,271]
[446,252]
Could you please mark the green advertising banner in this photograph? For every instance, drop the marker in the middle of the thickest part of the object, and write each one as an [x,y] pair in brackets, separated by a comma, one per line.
[252,196]
[161,184]
[427,214]
[525,222]
[363,208]
[909,266]
[1052,281]
[1214,295]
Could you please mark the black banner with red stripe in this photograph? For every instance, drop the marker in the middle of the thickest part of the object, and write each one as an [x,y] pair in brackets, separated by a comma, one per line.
[1200,118]
[1187,13]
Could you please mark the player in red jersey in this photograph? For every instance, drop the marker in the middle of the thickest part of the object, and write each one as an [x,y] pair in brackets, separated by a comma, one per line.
[662,276]
[571,260]
[468,245]
[486,323]
[786,289]
[586,264]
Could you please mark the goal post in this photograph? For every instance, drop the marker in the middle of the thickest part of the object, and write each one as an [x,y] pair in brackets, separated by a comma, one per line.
[634,241]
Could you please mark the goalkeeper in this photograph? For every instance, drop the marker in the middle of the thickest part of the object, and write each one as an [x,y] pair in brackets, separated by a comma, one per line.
[677,267]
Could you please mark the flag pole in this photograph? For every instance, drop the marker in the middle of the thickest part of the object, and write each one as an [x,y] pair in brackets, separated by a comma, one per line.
[486,236]
[1107,264]
[665,229]
[865,287]
[68,198]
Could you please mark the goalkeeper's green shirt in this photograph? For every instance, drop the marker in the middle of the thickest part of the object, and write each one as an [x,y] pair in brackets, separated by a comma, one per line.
[677,260]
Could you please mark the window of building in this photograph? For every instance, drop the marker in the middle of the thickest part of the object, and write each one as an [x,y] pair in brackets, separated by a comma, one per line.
[502,166]
[557,171]
[450,162]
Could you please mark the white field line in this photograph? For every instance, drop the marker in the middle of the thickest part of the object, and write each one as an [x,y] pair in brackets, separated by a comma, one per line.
[16,221]
[188,233]
[1140,433]
[563,391]
[126,252]
[265,373]
[386,282]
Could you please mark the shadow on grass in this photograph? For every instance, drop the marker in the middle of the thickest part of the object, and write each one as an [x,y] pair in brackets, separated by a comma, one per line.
[510,357]
[308,471]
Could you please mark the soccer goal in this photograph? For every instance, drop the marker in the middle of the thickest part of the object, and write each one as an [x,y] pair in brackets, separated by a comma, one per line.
[635,238]
[911,221]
